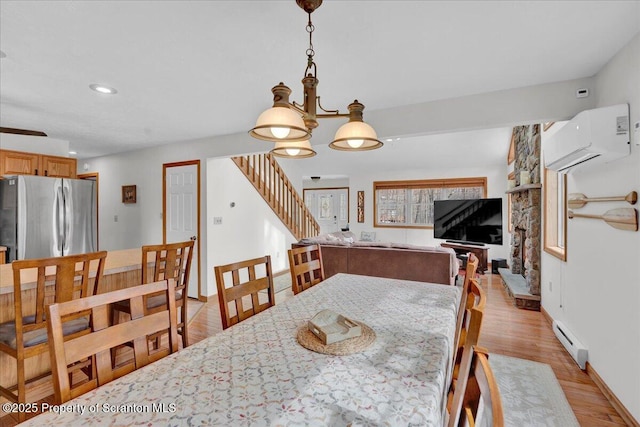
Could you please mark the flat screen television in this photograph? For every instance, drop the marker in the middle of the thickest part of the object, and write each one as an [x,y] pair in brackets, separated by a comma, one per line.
[468,221]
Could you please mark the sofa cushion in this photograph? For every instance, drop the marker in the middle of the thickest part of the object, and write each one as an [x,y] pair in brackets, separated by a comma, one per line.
[342,236]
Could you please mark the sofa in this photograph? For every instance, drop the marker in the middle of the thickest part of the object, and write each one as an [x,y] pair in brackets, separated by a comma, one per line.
[342,253]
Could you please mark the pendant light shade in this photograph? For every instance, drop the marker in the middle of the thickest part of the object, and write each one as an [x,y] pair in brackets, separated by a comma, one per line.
[355,135]
[280,124]
[293,149]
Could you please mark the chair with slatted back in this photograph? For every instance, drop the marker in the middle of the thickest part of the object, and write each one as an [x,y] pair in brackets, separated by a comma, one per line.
[244,294]
[470,273]
[170,261]
[57,279]
[305,264]
[477,401]
[473,312]
[97,342]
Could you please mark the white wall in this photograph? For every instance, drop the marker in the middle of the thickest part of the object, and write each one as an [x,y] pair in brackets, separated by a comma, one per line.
[532,104]
[326,183]
[596,293]
[34,144]
[249,229]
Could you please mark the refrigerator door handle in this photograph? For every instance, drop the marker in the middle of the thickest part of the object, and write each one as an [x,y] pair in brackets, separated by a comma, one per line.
[67,218]
[58,236]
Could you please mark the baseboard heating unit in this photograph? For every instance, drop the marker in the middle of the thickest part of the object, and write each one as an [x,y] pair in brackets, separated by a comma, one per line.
[571,343]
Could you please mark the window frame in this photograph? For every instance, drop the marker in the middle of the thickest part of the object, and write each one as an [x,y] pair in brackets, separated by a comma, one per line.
[555,200]
[421,184]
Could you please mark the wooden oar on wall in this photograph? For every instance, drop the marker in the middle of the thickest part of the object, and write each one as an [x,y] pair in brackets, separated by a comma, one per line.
[622,218]
[578,200]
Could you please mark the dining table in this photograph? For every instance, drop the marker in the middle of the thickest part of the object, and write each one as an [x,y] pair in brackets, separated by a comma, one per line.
[256,373]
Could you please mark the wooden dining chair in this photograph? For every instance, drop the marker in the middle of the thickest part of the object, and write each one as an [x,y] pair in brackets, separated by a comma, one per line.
[97,342]
[171,261]
[471,324]
[305,264]
[470,273]
[477,401]
[247,279]
[57,279]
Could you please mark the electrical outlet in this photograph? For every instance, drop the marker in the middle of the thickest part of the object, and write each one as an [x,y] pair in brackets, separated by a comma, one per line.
[550,286]
[115,218]
[217,220]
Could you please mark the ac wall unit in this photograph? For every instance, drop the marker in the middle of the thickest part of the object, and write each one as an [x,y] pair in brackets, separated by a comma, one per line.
[591,138]
[571,344]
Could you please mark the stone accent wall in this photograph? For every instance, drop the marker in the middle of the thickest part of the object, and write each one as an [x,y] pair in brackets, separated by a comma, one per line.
[526,209]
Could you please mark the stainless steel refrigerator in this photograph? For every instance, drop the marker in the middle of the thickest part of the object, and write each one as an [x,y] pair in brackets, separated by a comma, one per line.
[43,217]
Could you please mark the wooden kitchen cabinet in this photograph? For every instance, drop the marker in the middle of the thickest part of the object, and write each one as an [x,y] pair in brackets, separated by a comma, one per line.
[22,163]
[61,167]
[18,163]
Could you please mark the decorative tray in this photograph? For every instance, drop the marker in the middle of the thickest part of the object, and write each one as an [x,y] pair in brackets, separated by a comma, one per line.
[331,327]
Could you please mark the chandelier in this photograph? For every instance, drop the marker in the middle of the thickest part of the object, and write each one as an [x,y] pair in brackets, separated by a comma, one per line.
[289,124]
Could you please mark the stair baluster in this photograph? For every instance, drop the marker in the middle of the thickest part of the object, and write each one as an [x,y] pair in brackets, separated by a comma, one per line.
[268,178]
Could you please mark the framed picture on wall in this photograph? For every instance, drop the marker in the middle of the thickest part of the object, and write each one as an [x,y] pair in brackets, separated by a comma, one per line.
[360,206]
[128,194]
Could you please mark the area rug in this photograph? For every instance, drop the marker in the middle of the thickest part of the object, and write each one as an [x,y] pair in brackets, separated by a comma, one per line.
[530,392]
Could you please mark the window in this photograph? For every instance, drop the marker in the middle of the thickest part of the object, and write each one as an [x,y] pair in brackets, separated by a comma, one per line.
[555,214]
[409,204]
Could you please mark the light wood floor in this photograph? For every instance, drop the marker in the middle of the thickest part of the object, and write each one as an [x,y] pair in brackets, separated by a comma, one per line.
[506,330]
[527,334]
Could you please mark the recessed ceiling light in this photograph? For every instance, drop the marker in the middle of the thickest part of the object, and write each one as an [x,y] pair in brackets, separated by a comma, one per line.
[73,153]
[103,89]
[388,139]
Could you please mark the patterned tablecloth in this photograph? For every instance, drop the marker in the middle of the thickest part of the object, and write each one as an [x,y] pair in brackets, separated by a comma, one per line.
[256,374]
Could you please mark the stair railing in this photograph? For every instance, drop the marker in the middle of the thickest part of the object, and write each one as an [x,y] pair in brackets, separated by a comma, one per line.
[268,178]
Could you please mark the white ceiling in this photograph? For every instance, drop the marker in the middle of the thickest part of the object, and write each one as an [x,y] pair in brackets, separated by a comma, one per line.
[193,69]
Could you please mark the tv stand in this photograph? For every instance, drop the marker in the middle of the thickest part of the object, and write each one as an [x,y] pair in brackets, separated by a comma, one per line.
[481,252]
[460,242]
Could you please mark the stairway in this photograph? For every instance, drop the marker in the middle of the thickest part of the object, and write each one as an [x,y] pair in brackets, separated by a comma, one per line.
[274,186]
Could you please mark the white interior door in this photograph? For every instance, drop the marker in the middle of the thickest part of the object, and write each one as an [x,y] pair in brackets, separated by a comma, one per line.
[330,207]
[181,213]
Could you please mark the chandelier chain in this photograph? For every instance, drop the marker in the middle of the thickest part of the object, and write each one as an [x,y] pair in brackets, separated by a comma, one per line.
[310,52]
